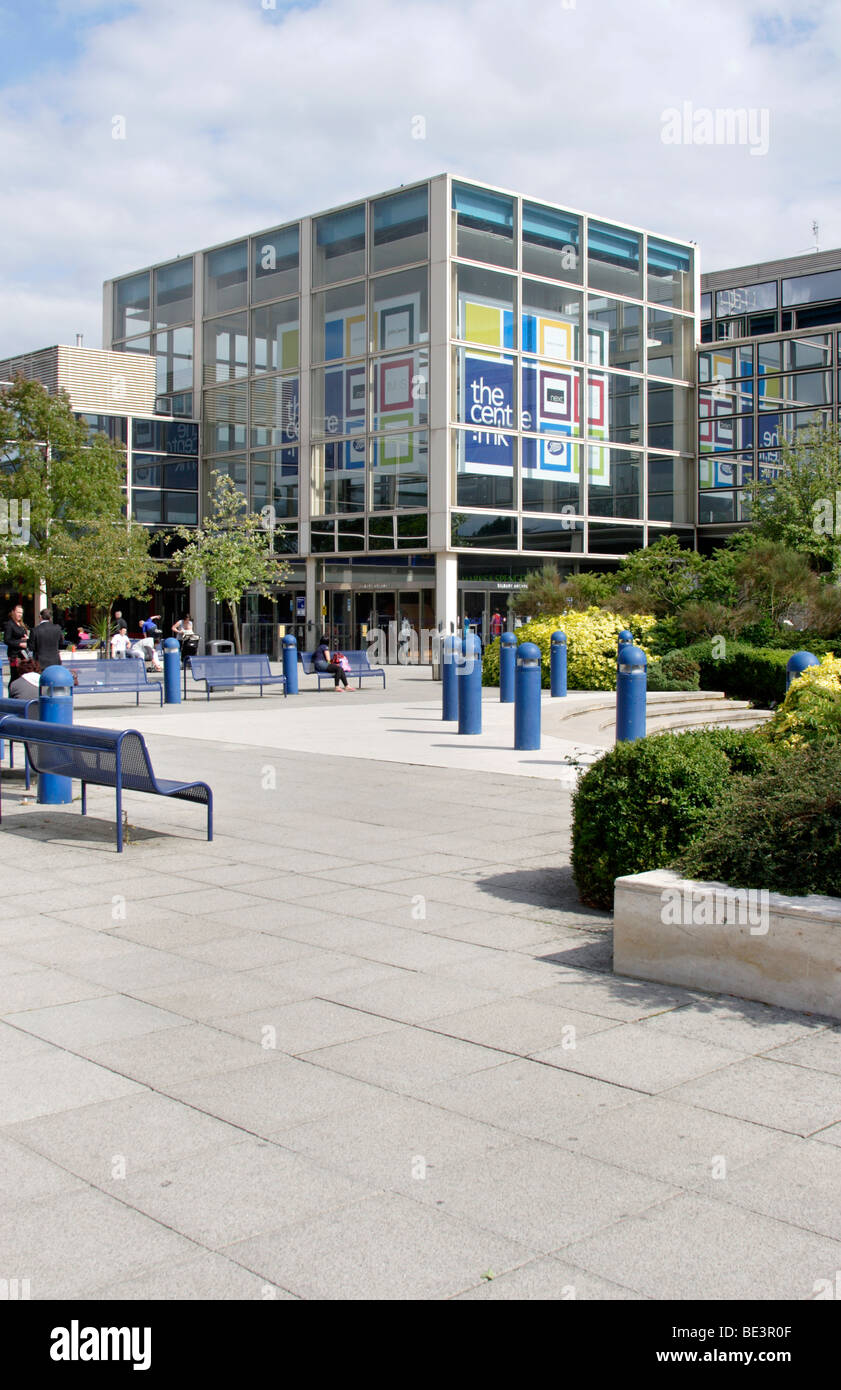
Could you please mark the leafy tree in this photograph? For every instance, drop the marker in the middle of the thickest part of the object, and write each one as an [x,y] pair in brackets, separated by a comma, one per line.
[231,551]
[801,506]
[50,466]
[548,595]
[664,573]
[100,563]
[773,579]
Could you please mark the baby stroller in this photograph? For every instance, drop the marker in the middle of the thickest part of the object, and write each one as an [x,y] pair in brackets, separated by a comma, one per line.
[189,646]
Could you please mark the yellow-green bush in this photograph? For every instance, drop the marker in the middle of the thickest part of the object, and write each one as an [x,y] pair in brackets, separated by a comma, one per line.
[811,710]
[591,646]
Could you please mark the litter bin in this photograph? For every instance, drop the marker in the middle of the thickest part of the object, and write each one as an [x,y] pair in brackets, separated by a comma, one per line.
[220,648]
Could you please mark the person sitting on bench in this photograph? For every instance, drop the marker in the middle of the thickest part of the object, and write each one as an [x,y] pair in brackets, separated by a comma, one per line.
[325,666]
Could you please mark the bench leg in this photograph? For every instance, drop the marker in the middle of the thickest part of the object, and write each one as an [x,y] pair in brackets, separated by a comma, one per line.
[210,815]
[27,773]
[119,819]
[84,798]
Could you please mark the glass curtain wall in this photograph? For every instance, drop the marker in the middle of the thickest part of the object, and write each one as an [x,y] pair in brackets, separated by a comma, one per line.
[572,365]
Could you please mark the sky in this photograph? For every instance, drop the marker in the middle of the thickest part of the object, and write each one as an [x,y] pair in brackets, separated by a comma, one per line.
[237,115]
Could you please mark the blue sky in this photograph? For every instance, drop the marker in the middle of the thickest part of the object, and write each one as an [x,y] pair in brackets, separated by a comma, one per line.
[239,115]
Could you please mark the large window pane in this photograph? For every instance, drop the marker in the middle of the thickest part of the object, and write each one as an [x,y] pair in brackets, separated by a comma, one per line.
[181,508]
[275,337]
[726,398]
[226,278]
[808,352]
[551,468]
[483,532]
[484,225]
[551,243]
[614,407]
[274,411]
[810,289]
[399,310]
[174,293]
[718,507]
[400,470]
[613,259]
[550,400]
[174,360]
[729,362]
[274,264]
[226,348]
[614,481]
[746,299]
[613,540]
[484,465]
[671,490]
[669,344]
[725,470]
[400,229]
[401,390]
[717,434]
[225,416]
[483,306]
[132,306]
[803,388]
[551,321]
[484,390]
[274,481]
[338,323]
[669,274]
[147,507]
[339,476]
[669,424]
[338,400]
[614,333]
[338,251]
[563,534]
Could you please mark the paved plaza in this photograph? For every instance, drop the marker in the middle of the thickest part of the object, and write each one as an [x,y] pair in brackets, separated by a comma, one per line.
[368,1044]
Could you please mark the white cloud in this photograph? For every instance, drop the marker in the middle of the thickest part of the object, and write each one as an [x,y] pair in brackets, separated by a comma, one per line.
[237,117]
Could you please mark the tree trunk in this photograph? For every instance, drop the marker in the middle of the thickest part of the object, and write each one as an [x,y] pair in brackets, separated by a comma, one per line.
[235,619]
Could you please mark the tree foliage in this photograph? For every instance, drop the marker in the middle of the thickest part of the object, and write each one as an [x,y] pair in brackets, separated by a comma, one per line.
[231,551]
[67,480]
[800,506]
[101,562]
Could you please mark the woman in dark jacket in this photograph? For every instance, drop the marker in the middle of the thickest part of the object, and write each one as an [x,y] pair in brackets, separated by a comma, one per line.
[323,665]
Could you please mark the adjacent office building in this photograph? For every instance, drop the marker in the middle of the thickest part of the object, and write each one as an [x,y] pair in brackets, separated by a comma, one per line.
[768,367]
[434,389]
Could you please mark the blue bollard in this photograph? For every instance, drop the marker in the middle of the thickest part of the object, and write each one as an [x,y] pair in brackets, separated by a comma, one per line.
[507,667]
[797,663]
[451,650]
[558,664]
[625,639]
[55,706]
[527,697]
[469,686]
[631,685]
[172,671]
[290,664]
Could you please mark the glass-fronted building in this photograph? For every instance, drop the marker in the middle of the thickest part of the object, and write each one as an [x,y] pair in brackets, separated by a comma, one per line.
[768,367]
[435,389]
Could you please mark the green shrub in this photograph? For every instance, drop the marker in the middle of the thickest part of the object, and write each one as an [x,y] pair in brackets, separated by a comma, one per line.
[642,803]
[591,646]
[811,711]
[779,830]
[741,671]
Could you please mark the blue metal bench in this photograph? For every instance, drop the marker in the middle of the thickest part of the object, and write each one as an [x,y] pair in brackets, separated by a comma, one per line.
[120,677]
[224,672]
[103,757]
[23,709]
[359,664]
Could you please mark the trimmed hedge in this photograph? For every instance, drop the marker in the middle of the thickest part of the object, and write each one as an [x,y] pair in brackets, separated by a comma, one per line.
[742,672]
[811,711]
[675,671]
[643,803]
[779,830]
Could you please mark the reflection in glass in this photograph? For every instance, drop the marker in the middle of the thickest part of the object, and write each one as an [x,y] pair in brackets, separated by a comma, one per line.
[338,323]
[132,306]
[614,333]
[613,259]
[226,347]
[274,264]
[275,337]
[551,243]
[400,228]
[614,482]
[339,246]
[226,278]
[670,274]
[484,225]
[174,293]
[399,310]
[551,321]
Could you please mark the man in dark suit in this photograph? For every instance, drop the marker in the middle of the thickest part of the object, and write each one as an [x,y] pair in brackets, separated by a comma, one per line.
[45,641]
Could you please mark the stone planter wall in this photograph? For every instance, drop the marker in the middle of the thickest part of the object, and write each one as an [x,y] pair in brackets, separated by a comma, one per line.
[753,944]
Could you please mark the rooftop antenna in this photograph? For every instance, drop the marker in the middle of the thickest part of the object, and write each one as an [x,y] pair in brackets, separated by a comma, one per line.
[816,233]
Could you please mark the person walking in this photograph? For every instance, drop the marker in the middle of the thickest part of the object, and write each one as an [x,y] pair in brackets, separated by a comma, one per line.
[15,635]
[324,665]
[496,624]
[45,641]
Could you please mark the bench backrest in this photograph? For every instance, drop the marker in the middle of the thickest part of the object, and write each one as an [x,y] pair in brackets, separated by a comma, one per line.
[127,672]
[229,667]
[90,754]
[20,708]
[358,660]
